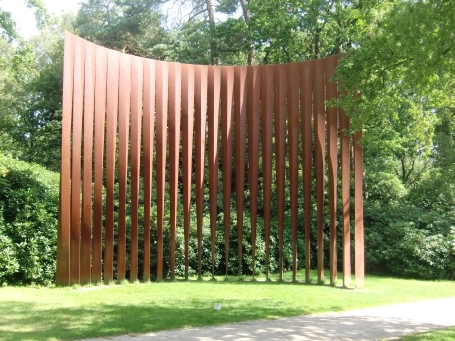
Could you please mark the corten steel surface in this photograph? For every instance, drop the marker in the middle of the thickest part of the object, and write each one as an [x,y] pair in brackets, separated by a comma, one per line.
[280,150]
[345,197]
[201,74]
[100,117]
[86,227]
[267,133]
[130,122]
[358,197]
[319,150]
[253,153]
[306,91]
[148,117]
[240,111]
[293,129]
[332,129]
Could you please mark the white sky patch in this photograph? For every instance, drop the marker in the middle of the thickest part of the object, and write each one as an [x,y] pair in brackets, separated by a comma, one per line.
[25,17]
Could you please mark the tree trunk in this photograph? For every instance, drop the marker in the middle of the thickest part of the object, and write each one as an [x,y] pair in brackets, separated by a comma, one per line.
[213,52]
[247,17]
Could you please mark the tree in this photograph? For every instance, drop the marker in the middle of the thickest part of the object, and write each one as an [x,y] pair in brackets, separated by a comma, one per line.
[130,26]
[309,29]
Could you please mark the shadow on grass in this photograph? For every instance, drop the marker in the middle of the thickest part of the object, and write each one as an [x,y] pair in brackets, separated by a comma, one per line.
[25,321]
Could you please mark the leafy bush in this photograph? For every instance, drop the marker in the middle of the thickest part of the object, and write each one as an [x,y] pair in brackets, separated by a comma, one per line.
[404,240]
[28,222]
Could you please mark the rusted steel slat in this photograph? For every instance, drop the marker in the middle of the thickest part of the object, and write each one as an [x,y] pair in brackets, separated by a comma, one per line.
[280,154]
[359,238]
[306,99]
[227,87]
[240,106]
[149,129]
[123,138]
[175,79]
[64,221]
[113,81]
[213,125]
[319,140]
[201,118]
[345,196]
[254,91]
[332,138]
[162,70]
[293,131]
[266,138]
[113,71]
[136,122]
[100,119]
[89,102]
[187,150]
[78,100]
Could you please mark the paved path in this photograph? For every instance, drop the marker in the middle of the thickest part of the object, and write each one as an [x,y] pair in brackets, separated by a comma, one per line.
[356,325]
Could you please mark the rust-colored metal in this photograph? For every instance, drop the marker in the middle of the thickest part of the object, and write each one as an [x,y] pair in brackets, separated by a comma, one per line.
[100,119]
[280,154]
[319,150]
[175,98]
[64,221]
[227,88]
[187,151]
[358,197]
[267,81]
[113,73]
[254,93]
[89,103]
[214,87]
[201,74]
[137,78]
[161,84]
[78,100]
[149,130]
[266,105]
[345,196]
[293,131]
[306,103]
[123,139]
[240,111]
[332,138]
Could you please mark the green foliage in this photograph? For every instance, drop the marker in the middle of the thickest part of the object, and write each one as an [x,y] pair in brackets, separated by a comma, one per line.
[38,124]
[130,26]
[404,240]
[28,222]
[7,26]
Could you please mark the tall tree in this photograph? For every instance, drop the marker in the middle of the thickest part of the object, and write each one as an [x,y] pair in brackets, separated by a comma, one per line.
[130,26]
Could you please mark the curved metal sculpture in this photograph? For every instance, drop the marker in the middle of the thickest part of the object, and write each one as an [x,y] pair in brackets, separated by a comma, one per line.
[122,112]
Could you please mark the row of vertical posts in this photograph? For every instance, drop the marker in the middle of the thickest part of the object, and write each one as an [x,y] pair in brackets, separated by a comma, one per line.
[122,112]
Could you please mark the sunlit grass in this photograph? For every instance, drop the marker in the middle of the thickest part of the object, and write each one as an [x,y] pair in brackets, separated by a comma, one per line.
[39,313]
[447,334]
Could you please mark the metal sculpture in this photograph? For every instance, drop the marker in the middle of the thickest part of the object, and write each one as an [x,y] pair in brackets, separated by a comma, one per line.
[121,113]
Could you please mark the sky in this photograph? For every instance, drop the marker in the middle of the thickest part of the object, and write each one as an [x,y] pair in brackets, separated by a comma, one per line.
[24,17]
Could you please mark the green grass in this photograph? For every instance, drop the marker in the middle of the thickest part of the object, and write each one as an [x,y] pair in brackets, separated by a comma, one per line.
[447,334]
[41,313]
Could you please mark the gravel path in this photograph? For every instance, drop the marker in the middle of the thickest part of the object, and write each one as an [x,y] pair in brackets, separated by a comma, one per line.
[356,325]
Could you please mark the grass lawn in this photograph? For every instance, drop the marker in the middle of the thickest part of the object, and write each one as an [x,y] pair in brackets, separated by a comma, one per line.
[42,313]
[446,334]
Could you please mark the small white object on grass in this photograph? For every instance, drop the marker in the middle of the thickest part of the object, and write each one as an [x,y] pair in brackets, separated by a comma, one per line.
[217,306]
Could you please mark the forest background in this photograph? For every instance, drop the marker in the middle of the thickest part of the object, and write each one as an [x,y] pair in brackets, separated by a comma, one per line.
[398,73]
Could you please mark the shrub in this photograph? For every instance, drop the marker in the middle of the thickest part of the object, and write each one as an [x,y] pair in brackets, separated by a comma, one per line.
[28,222]
[404,240]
